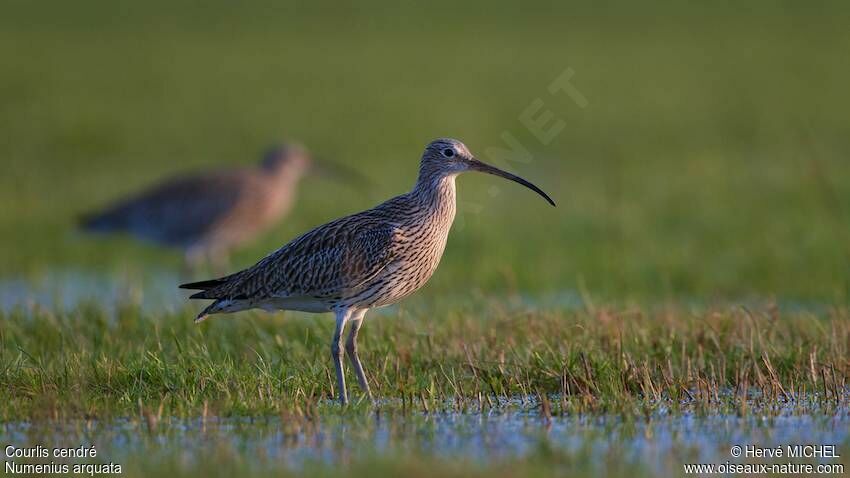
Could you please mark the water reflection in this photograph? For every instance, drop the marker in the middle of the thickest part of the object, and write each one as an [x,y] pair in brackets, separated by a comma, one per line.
[155,290]
[661,443]
[65,289]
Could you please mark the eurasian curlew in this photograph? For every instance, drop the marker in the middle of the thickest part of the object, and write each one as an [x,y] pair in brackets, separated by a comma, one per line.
[206,215]
[369,259]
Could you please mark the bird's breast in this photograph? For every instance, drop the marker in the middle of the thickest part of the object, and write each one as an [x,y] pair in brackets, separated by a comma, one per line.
[418,255]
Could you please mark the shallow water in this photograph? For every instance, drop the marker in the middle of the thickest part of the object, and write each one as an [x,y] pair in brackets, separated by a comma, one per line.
[64,289]
[155,291]
[658,445]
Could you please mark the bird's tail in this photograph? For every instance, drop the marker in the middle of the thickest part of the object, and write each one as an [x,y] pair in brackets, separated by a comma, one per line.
[100,222]
[94,222]
[204,285]
[220,306]
[211,289]
[208,310]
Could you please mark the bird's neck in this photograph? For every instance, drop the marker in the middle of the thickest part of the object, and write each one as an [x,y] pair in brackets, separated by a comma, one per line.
[282,186]
[436,195]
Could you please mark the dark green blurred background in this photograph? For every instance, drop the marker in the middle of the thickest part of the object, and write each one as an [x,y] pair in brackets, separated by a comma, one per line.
[710,162]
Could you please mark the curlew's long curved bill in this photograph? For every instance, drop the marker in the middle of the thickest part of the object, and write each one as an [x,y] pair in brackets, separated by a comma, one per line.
[338,172]
[477,165]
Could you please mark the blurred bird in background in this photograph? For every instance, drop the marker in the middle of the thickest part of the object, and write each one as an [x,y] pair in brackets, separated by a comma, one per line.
[208,214]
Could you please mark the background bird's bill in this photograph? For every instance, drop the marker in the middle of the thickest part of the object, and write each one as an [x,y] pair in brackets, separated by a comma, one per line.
[477,165]
[338,172]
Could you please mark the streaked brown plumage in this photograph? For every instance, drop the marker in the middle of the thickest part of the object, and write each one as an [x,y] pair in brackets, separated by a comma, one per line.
[369,259]
[209,214]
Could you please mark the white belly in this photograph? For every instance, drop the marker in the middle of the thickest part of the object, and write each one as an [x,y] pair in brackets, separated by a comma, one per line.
[301,304]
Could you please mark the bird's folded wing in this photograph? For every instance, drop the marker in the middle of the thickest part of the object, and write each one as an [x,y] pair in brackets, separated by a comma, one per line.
[328,262]
[179,209]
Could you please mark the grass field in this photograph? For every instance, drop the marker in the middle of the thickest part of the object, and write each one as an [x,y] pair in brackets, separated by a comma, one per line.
[87,363]
[485,388]
[694,279]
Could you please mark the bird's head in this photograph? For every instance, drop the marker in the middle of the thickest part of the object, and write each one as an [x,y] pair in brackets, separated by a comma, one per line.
[448,157]
[291,161]
[289,158]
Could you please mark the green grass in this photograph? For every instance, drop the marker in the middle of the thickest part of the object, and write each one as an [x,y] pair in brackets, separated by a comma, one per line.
[141,386]
[88,363]
[710,162]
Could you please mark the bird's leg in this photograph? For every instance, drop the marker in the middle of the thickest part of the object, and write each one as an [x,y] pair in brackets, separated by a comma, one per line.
[342,316]
[351,348]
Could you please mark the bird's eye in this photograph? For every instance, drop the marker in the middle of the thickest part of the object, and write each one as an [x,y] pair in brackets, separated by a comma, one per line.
[448,152]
